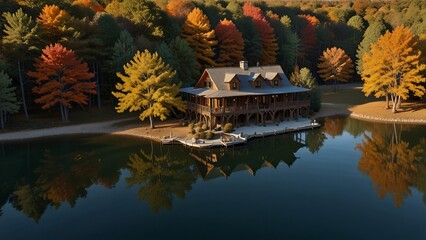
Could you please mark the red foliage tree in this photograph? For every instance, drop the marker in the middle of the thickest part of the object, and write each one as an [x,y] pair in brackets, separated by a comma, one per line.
[92,4]
[61,78]
[308,35]
[269,40]
[231,43]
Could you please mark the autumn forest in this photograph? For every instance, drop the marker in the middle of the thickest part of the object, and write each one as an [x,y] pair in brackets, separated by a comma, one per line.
[74,53]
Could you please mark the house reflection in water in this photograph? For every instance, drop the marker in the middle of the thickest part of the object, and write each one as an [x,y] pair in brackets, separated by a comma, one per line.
[223,162]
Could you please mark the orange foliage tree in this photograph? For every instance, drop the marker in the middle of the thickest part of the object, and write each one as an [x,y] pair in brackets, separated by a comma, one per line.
[267,35]
[335,65]
[231,43]
[179,9]
[390,162]
[53,21]
[61,78]
[197,32]
[92,4]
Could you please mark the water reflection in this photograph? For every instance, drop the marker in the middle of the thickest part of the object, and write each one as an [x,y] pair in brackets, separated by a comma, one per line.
[394,165]
[160,177]
[35,176]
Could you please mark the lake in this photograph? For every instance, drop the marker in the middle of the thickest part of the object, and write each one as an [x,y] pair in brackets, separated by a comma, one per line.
[349,179]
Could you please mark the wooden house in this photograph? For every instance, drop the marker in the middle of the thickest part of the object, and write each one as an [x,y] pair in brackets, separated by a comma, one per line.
[245,95]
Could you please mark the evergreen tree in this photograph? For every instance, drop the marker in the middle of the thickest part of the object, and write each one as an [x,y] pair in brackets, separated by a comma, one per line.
[8,102]
[20,38]
[186,70]
[371,35]
[197,32]
[165,52]
[252,40]
[124,50]
[146,86]
[267,35]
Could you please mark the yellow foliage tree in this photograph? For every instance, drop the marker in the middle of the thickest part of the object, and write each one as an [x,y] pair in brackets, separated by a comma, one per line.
[52,20]
[147,85]
[198,33]
[392,68]
[335,65]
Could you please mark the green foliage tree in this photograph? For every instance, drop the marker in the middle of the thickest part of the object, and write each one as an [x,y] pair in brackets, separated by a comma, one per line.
[371,35]
[8,101]
[252,40]
[186,69]
[146,85]
[20,37]
[165,52]
[124,49]
[304,78]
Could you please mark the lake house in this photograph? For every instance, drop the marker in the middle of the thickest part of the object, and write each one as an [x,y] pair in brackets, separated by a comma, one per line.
[245,95]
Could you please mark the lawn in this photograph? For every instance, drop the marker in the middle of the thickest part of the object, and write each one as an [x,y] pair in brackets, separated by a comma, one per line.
[350,94]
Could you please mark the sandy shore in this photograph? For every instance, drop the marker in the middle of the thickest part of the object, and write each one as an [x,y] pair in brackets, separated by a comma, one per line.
[371,111]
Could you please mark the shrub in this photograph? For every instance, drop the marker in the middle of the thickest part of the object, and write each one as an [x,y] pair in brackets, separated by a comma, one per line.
[190,127]
[204,127]
[198,129]
[228,128]
[192,131]
[209,135]
[202,135]
[196,136]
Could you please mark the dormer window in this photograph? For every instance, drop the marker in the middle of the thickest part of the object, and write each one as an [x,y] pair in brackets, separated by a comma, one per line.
[207,84]
[276,83]
[258,84]
[234,86]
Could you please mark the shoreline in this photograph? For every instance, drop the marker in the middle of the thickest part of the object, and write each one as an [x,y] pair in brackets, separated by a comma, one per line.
[172,127]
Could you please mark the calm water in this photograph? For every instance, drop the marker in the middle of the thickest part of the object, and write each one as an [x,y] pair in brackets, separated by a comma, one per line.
[348,180]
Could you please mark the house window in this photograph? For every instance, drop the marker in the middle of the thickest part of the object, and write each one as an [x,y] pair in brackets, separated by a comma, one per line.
[207,84]
[228,102]
[234,85]
[258,84]
[275,82]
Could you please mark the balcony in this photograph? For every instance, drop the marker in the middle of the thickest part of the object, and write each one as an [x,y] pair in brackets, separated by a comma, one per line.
[251,108]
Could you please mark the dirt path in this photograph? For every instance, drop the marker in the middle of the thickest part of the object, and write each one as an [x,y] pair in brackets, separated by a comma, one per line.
[373,111]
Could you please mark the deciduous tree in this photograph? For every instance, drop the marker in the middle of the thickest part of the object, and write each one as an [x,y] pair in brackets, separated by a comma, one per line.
[231,43]
[20,38]
[8,101]
[61,79]
[392,67]
[335,65]
[197,32]
[53,22]
[146,86]
[92,4]
[267,35]
[179,9]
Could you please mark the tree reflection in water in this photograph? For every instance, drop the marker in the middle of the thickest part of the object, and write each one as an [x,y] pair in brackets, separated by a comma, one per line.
[392,163]
[161,177]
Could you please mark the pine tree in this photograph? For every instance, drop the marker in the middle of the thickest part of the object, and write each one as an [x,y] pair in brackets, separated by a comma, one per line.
[231,43]
[371,35]
[146,86]
[186,70]
[8,102]
[62,79]
[303,78]
[335,65]
[308,36]
[267,35]
[197,32]
[392,67]
[165,52]
[124,50]
[21,35]
[252,41]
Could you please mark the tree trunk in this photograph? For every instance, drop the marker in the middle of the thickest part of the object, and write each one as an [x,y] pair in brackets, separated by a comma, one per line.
[387,101]
[62,111]
[66,112]
[98,91]
[399,102]
[21,83]
[394,102]
[1,120]
[151,121]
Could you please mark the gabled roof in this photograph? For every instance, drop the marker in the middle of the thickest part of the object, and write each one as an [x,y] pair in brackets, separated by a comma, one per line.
[221,77]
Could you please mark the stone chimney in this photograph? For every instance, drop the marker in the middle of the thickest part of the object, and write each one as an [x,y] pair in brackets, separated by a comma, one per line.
[244,65]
